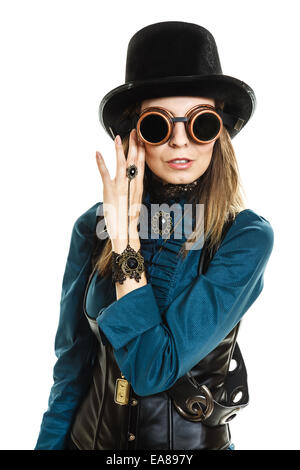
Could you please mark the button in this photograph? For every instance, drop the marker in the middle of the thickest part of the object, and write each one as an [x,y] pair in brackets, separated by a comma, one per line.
[133,402]
[131,437]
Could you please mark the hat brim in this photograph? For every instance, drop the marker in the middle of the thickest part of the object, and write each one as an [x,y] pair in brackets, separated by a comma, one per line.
[239,97]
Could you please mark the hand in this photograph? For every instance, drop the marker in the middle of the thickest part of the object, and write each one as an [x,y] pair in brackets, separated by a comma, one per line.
[115,193]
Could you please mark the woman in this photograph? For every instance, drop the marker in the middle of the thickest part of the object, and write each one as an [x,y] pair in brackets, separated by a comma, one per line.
[144,353]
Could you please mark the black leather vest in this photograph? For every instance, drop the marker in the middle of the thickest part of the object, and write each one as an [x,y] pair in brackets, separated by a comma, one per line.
[153,422]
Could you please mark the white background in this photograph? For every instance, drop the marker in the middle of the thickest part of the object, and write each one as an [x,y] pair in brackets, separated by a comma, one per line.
[58,59]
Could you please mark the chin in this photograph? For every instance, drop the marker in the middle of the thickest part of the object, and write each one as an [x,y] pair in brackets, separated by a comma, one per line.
[181,179]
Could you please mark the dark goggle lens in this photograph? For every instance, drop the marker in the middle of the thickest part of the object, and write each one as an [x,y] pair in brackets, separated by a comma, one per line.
[206,126]
[153,128]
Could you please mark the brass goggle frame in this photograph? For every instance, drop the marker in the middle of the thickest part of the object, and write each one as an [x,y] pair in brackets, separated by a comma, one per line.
[188,119]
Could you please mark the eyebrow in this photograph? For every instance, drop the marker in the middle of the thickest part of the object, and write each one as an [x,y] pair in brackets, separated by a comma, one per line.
[157,105]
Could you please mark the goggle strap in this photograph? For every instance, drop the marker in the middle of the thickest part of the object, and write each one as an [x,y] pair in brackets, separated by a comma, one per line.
[231,121]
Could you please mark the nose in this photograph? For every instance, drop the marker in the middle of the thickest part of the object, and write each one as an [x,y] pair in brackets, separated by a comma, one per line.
[179,137]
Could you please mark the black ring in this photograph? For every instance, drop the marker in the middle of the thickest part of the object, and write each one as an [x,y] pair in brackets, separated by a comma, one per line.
[131,171]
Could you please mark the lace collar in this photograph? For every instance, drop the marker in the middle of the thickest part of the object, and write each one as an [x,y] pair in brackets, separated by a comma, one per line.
[163,192]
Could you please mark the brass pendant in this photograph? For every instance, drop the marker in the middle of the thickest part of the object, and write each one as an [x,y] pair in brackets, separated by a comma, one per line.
[162,223]
[121,396]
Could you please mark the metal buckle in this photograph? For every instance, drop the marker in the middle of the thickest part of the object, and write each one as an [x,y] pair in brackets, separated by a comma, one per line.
[239,124]
[229,416]
[201,413]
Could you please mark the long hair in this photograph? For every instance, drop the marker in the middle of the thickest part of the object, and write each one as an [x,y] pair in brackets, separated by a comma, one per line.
[219,190]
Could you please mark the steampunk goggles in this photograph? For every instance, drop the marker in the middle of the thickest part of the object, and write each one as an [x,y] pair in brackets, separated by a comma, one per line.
[203,124]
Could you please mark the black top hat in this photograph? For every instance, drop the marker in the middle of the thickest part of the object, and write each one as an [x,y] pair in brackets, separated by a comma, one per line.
[175,58]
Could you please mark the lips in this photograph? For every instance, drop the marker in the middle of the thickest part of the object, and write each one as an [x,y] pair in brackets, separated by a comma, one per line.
[179,158]
[180,165]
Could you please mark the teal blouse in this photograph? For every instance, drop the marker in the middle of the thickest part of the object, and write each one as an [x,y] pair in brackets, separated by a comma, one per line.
[158,331]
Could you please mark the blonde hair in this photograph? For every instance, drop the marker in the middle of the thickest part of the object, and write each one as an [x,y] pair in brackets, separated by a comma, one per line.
[219,190]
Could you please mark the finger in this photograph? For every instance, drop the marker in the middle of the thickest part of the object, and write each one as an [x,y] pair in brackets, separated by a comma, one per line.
[141,154]
[136,158]
[140,163]
[102,168]
[121,160]
[140,160]
[132,149]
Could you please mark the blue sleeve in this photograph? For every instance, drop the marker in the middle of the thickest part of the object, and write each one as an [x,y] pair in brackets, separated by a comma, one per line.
[152,349]
[74,341]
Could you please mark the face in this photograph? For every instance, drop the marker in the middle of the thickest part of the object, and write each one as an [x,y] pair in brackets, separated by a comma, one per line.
[180,145]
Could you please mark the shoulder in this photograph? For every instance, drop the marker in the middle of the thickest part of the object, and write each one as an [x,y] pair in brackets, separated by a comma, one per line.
[81,246]
[85,224]
[250,229]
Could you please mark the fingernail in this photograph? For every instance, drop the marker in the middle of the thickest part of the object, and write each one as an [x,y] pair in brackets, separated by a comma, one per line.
[118,139]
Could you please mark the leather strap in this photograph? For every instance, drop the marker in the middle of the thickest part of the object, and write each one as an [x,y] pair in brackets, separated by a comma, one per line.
[231,121]
[92,321]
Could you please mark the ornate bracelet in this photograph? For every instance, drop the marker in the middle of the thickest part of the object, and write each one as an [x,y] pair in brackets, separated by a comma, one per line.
[129,263]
